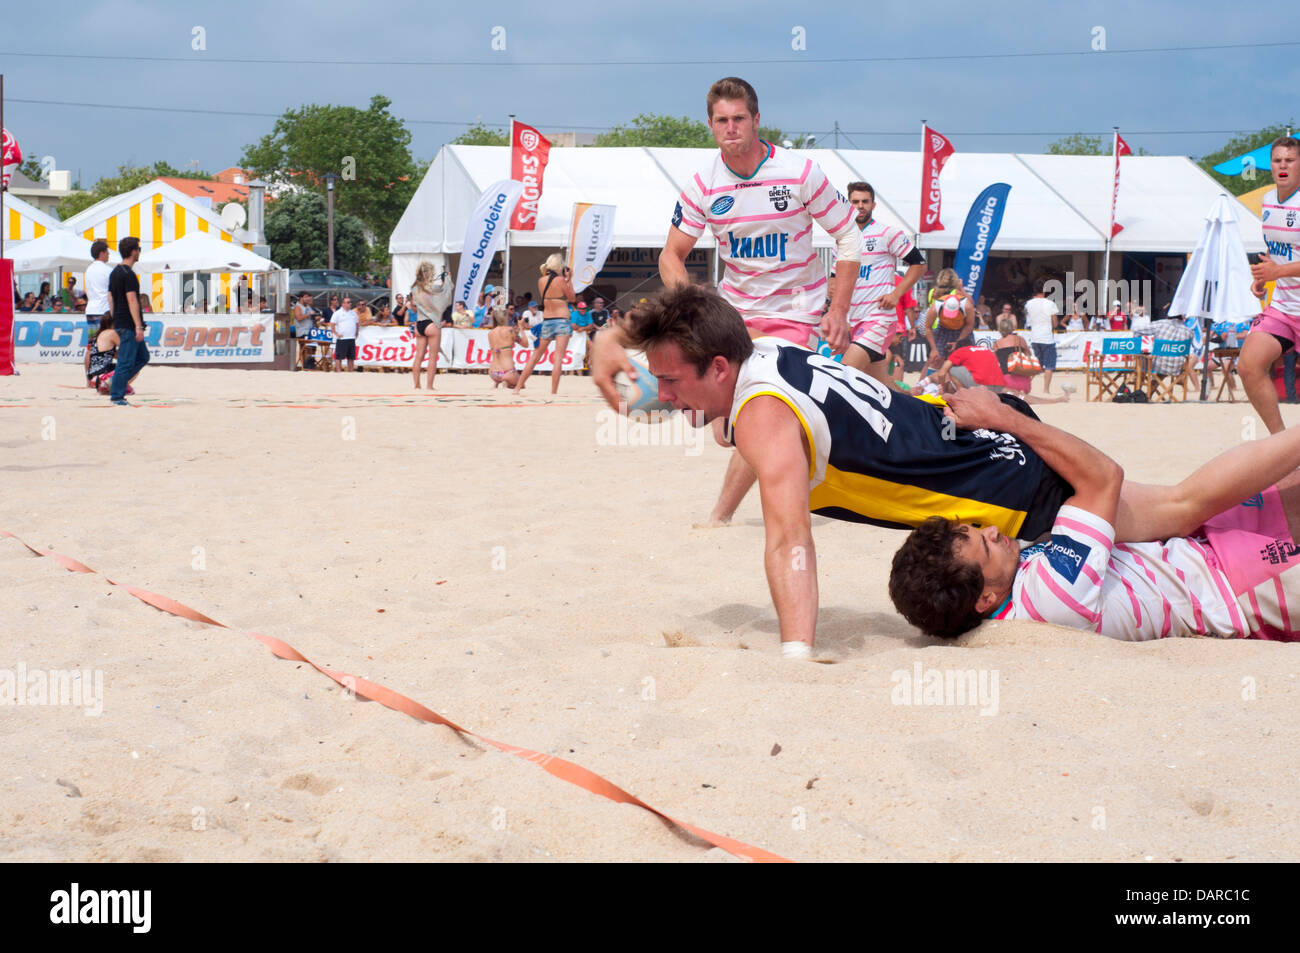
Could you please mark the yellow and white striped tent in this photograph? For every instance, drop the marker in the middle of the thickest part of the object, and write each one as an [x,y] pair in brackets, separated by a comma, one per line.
[23,221]
[156,213]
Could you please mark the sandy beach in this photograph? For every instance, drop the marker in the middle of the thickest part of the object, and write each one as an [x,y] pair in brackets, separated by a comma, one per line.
[516,571]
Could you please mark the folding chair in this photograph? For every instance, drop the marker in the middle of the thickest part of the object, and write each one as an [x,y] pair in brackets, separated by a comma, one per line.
[1226,358]
[1122,368]
[1161,386]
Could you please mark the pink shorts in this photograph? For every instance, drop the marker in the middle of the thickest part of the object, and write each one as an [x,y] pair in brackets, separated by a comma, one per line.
[1016,382]
[1275,321]
[1252,544]
[796,332]
[875,333]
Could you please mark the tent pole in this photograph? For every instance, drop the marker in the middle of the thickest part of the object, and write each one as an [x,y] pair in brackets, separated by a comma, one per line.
[1205,364]
[505,271]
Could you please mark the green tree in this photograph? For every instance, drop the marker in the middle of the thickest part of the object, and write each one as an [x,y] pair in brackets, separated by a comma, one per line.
[297,229]
[128,177]
[1249,179]
[368,150]
[481,135]
[31,167]
[649,129]
[1078,144]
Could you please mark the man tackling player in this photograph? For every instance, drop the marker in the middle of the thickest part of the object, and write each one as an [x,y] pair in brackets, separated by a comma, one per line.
[829,439]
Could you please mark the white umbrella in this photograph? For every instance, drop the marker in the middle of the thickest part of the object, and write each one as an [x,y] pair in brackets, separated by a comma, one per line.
[1215,286]
[199,251]
[57,248]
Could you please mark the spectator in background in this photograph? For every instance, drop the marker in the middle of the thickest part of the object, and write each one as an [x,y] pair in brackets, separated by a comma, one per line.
[384,316]
[984,314]
[502,340]
[480,310]
[399,311]
[327,314]
[146,303]
[97,301]
[124,289]
[1171,330]
[1139,320]
[1116,319]
[43,297]
[1006,314]
[1075,323]
[80,306]
[1012,343]
[598,312]
[264,306]
[69,292]
[557,294]
[1097,322]
[950,319]
[344,323]
[1042,320]
[461,317]
[29,302]
[304,317]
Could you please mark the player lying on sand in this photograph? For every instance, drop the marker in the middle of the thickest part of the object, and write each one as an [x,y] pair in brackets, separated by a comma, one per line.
[828,439]
[1236,577]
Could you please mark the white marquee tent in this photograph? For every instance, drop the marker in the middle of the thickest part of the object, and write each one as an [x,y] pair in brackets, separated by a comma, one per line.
[1058,204]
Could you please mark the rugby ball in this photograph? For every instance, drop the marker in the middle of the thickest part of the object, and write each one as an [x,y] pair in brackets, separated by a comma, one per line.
[641,394]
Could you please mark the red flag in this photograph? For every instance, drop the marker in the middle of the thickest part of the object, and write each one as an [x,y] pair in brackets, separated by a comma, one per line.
[529,152]
[936,151]
[10,159]
[1121,149]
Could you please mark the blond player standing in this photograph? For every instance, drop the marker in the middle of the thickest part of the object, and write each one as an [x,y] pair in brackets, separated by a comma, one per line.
[1277,329]
[873,312]
[760,202]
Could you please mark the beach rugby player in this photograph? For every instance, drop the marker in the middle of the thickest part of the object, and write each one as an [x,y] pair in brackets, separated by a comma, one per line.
[873,312]
[761,203]
[1238,576]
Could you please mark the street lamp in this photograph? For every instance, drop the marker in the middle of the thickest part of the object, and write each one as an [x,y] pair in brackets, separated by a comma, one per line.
[329,186]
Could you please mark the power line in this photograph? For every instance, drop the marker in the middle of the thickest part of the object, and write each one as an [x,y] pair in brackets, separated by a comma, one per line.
[571,126]
[202,57]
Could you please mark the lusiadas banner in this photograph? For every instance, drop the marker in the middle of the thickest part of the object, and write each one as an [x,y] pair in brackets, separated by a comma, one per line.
[484,233]
[590,239]
[977,235]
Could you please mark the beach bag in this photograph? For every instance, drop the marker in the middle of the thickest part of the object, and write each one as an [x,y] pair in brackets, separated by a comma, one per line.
[1023,364]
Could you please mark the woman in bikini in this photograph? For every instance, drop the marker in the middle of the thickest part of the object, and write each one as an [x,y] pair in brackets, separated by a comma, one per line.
[557,294]
[426,308]
[502,339]
[103,357]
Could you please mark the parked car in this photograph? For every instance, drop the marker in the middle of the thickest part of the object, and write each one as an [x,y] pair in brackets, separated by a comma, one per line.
[320,283]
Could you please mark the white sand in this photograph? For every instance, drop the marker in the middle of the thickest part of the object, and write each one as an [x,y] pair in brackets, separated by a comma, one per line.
[1098,750]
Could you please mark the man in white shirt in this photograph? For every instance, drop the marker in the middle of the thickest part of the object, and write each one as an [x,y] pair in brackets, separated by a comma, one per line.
[343,323]
[1041,320]
[97,304]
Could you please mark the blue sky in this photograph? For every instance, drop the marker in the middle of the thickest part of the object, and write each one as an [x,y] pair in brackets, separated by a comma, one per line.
[540,77]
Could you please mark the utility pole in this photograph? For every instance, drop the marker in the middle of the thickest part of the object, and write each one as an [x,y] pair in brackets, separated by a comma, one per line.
[329,186]
[837,133]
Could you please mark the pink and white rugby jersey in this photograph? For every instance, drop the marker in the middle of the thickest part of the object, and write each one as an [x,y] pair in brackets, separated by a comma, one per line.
[883,247]
[763,226]
[1282,235]
[1132,591]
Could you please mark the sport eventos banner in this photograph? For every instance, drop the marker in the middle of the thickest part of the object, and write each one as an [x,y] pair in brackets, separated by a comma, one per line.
[978,235]
[934,155]
[591,236]
[483,236]
[460,349]
[172,338]
[529,153]
[6,317]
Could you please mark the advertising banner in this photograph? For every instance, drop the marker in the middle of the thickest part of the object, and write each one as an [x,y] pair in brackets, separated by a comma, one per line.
[935,153]
[483,236]
[529,153]
[6,317]
[977,237]
[171,338]
[461,349]
[591,236]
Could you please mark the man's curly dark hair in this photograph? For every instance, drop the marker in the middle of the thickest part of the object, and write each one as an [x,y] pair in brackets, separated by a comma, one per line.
[929,587]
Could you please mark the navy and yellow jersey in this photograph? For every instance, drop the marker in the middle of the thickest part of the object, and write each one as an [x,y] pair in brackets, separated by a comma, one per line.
[887,458]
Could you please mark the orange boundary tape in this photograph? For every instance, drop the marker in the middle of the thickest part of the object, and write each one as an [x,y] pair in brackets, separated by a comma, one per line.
[568,771]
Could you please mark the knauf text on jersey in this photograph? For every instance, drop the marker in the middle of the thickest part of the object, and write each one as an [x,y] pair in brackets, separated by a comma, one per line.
[759,246]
